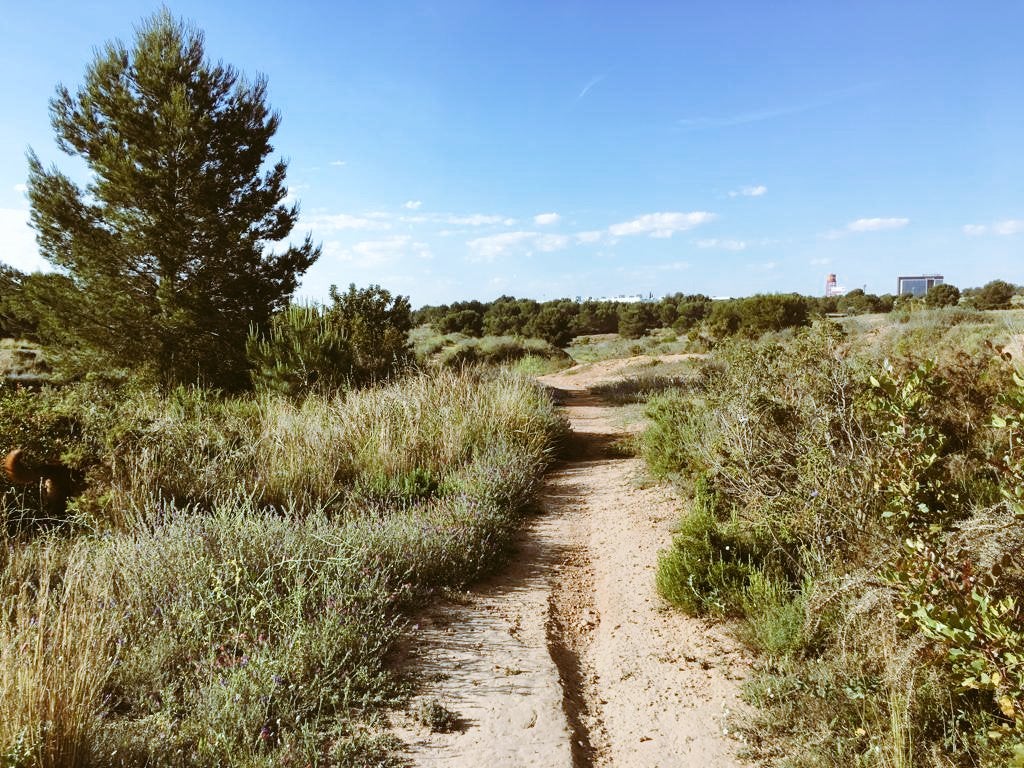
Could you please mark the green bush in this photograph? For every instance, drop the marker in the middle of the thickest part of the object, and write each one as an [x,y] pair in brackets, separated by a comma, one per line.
[500,350]
[361,338]
[863,527]
[705,571]
[302,351]
[773,616]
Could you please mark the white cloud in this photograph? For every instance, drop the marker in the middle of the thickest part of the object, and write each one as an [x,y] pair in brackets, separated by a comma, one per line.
[1007,227]
[474,220]
[339,163]
[491,247]
[725,245]
[471,220]
[821,261]
[1010,227]
[543,219]
[18,240]
[548,243]
[674,266]
[586,88]
[413,205]
[292,195]
[373,253]
[765,266]
[663,224]
[591,236]
[877,225]
[22,188]
[343,221]
[753,191]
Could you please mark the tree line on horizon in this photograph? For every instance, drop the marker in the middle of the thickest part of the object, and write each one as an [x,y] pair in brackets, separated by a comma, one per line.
[560,320]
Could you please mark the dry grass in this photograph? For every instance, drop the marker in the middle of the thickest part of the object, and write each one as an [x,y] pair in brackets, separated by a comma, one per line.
[56,650]
[256,562]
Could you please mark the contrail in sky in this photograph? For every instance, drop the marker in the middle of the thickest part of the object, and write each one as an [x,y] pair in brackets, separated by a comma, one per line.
[586,88]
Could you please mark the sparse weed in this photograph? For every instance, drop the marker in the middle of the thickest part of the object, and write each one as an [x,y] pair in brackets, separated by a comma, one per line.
[435,716]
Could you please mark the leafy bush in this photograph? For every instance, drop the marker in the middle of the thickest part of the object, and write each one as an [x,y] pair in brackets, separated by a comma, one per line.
[361,338]
[756,315]
[996,294]
[942,295]
[705,571]
[499,350]
[864,528]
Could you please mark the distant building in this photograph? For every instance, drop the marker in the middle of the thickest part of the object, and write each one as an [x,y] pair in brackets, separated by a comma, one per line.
[832,288]
[621,299]
[916,285]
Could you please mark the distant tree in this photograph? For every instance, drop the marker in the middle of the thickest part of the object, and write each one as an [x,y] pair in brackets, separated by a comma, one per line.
[166,249]
[376,327]
[596,317]
[430,314]
[885,303]
[942,295]
[668,310]
[636,318]
[856,302]
[758,314]
[554,323]
[994,295]
[691,311]
[509,316]
[822,305]
[771,312]
[467,321]
[724,318]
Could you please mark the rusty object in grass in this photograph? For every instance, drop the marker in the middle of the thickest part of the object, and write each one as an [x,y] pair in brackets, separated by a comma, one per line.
[57,481]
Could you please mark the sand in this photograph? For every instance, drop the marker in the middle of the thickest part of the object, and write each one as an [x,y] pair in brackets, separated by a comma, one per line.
[569,657]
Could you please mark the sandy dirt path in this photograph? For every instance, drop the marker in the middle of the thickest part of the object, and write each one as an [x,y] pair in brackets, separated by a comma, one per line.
[569,657]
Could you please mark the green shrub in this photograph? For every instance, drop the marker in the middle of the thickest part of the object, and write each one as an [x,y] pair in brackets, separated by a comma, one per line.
[705,571]
[864,529]
[302,350]
[773,616]
[500,350]
[362,337]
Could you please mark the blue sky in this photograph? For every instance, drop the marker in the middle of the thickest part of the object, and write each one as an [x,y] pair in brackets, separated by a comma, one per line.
[456,150]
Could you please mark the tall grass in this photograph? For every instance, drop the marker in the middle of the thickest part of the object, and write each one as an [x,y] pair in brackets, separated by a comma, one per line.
[322,452]
[56,652]
[251,567]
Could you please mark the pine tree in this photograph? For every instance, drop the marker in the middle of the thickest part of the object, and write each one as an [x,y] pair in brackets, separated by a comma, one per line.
[166,248]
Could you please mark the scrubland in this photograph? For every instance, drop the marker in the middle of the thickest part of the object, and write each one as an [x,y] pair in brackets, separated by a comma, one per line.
[529,356]
[858,515]
[233,584]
